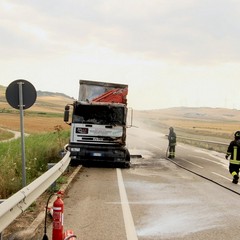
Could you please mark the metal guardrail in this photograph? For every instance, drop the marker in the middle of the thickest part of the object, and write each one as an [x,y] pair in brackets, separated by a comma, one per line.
[204,141]
[1,200]
[12,207]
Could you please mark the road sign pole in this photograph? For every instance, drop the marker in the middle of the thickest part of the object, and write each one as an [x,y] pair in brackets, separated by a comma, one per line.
[21,100]
[20,85]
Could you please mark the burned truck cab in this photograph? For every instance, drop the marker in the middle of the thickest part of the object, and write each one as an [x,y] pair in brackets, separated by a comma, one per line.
[98,125]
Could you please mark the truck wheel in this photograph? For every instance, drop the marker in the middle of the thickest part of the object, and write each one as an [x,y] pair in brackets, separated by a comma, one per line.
[127,165]
[127,156]
[74,162]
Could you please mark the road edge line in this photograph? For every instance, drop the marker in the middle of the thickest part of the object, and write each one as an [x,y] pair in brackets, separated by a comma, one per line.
[127,215]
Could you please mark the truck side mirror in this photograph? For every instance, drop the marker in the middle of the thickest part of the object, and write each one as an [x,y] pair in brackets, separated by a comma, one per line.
[130,118]
[66,114]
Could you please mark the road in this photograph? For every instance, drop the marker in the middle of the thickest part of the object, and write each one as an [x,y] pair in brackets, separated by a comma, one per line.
[16,134]
[155,199]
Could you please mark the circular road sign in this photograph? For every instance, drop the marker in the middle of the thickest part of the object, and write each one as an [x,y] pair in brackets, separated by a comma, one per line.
[29,94]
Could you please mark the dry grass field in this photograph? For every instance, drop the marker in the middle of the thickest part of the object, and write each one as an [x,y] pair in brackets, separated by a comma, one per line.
[32,123]
[47,112]
[201,127]
[202,123]
[43,116]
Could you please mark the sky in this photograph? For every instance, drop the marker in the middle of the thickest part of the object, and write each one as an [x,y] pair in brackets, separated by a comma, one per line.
[171,53]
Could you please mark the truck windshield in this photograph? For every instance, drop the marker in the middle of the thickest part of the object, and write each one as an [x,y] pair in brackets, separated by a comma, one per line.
[99,114]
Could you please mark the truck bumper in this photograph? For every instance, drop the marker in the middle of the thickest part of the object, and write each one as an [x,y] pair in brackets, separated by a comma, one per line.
[84,154]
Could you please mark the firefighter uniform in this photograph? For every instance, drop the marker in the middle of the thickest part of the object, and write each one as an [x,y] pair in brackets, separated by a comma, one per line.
[234,153]
[172,139]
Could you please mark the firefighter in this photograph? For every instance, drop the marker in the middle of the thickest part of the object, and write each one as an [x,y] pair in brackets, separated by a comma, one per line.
[234,153]
[172,139]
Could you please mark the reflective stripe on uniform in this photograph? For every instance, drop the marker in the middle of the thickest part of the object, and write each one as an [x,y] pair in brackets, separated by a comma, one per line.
[235,161]
[235,152]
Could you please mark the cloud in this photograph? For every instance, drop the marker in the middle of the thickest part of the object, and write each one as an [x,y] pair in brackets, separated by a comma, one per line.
[196,31]
[163,49]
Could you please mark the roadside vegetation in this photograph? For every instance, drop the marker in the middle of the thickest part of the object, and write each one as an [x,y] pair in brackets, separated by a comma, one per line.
[5,135]
[46,135]
[40,149]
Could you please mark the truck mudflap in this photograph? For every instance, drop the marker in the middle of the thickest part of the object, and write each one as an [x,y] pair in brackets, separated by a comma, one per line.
[99,155]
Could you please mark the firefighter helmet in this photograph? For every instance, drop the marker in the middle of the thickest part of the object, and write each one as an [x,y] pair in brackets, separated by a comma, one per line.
[237,134]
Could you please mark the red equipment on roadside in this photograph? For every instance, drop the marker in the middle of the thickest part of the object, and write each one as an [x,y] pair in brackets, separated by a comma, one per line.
[69,235]
[57,230]
[57,227]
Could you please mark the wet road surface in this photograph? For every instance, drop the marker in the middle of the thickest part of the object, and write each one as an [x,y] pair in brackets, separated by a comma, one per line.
[155,199]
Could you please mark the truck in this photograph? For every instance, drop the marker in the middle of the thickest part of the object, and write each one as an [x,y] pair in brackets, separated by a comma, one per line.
[98,124]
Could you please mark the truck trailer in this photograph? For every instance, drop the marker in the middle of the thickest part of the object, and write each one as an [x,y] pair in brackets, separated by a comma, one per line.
[98,124]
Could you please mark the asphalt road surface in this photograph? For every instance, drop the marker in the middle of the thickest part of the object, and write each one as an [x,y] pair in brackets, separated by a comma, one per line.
[155,198]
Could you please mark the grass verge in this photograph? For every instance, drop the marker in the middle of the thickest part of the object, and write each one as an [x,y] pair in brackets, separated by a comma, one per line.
[40,149]
[5,135]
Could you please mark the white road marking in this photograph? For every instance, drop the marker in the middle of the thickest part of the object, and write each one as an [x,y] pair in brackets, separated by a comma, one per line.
[127,215]
[221,176]
[154,146]
[212,161]
[160,148]
[191,163]
[206,159]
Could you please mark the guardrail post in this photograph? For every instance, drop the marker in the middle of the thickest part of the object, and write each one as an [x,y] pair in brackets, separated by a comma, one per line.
[54,184]
[1,200]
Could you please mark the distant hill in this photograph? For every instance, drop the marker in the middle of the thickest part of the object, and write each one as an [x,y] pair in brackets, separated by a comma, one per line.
[55,102]
[2,93]
[46,93]
[39,93]
[198,113]
[45,102]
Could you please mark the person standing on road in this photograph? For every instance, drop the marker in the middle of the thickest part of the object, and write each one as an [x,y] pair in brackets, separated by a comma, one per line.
[172,139]
[234,153]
